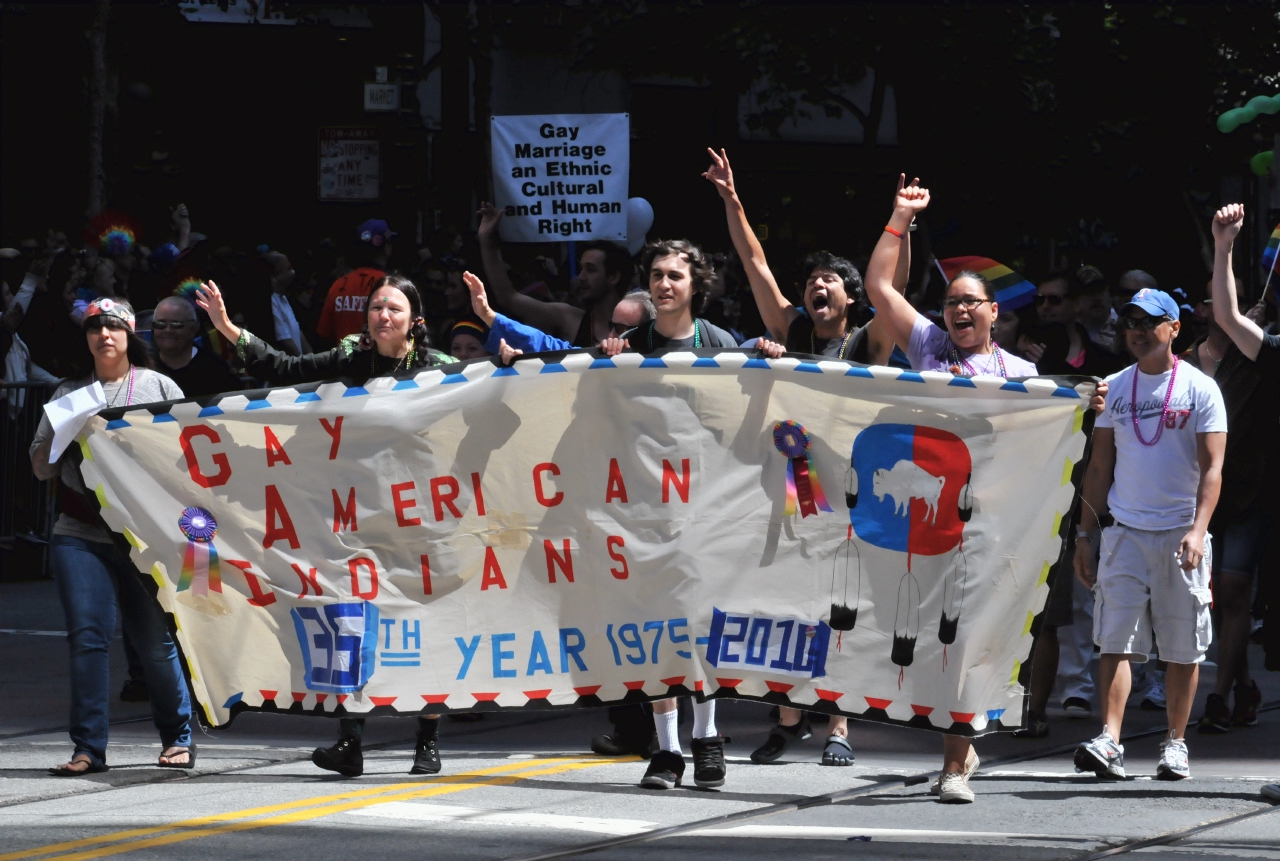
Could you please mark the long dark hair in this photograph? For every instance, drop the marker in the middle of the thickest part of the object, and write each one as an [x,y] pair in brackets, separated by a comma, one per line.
[417,325]
[135,348]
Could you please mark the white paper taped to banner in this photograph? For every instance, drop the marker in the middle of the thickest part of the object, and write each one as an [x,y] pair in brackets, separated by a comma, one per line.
[563,176]
[872,542]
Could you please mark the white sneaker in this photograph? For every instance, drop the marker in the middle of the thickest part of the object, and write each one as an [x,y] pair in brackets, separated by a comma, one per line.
[971,763]
[953,788]
[1155,699]
[1173,760]
[1103,756]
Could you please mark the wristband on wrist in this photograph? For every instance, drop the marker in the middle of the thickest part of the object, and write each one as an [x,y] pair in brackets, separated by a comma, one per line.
[897,233]
[1083,535]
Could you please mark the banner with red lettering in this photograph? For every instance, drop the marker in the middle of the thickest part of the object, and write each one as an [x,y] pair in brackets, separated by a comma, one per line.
[581,531]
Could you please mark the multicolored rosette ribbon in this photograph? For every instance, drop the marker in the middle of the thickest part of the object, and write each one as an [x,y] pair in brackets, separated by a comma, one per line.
[200,571]
[792,440]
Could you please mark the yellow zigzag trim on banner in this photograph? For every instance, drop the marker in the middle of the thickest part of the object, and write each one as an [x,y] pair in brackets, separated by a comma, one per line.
[84,447]
[1017,668]
[134,540]
[1057,524]
[1078,424]
[1026,629]
[101,493]
[1044,575]
[1066,472]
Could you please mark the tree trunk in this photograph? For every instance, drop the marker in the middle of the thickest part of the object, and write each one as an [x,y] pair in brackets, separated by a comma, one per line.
[97,107]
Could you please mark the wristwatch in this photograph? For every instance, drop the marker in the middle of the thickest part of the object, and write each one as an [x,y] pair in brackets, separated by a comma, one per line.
[1083,534]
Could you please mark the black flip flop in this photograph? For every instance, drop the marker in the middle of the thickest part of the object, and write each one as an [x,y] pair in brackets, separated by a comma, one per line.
[190,763]
[63,771]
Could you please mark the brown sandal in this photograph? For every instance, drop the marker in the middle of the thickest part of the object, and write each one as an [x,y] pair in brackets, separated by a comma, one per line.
[66,770]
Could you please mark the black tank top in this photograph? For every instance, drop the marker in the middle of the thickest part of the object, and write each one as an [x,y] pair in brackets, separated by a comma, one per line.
[801,339]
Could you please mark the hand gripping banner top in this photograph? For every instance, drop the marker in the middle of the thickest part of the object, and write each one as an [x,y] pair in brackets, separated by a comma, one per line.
[578,531]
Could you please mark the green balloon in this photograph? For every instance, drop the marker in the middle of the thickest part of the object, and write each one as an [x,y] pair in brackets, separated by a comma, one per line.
[1261,163]
[1236,117]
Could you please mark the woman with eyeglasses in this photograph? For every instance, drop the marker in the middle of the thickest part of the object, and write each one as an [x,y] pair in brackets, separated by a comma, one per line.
[96,579]
[966,348]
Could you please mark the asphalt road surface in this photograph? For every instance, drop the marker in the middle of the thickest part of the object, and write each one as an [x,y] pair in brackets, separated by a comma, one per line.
[524,785]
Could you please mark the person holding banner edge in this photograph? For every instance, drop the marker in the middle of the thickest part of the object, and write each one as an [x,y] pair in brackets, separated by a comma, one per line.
[96,579]
[679,275]
[395,340]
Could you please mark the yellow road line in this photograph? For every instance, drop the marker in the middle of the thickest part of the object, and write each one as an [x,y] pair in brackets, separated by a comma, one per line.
[305,809]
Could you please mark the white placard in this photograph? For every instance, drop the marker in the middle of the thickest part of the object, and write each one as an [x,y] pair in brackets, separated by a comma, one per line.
[562,176]
[349,163]
[69,413]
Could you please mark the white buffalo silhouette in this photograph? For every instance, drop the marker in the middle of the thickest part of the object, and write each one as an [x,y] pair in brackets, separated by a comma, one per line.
[905,482]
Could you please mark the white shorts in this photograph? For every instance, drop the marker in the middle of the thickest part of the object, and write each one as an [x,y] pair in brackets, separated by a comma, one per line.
[1141,591]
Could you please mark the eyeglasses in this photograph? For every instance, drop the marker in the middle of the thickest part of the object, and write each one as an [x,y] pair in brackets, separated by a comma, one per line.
[968,303]
[1049,299]
[618,328]
[161,325]
[1144,323]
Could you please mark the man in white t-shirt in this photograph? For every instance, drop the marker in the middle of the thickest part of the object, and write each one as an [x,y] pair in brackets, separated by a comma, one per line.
[1157,464]
[289,337]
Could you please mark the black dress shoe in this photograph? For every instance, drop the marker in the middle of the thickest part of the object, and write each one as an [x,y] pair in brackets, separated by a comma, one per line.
[344,757]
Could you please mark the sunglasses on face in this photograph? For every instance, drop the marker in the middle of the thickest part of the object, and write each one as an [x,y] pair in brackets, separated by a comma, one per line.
[161,325]
[968,303]
[1049,299]
[618,328]
[1146,324]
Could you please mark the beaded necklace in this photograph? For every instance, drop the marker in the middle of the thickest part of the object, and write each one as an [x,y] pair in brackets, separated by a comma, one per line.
[1164,411]
[128,398]
[406,359]
[844,345]
[957,361]
[697,335]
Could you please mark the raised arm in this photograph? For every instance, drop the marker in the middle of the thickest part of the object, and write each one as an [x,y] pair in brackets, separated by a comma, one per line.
[776,312]
[879,338]
[555,317]
[1244,333]
[892,308]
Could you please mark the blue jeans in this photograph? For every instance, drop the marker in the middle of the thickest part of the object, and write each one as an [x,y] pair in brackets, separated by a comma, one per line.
[93,579]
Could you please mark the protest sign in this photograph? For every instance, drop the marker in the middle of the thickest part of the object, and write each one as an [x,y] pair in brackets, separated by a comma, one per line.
[563,176]
[349,163]
[872,542]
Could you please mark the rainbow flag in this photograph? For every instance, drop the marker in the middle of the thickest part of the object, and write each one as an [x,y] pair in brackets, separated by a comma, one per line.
[1271,254]
[1012,290]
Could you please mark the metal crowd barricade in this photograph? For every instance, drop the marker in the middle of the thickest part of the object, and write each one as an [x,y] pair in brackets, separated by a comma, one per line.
[28,506]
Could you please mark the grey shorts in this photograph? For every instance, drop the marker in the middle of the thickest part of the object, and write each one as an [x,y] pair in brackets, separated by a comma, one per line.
[1142,593]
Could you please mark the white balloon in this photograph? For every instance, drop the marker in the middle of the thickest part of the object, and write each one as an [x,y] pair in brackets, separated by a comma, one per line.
[639,220]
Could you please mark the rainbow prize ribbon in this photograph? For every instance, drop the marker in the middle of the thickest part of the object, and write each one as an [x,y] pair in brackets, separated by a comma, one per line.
[200,571]
[792,440]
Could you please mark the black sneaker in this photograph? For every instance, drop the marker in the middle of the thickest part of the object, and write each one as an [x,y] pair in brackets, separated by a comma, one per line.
[708,762]
[135,691]
[776,744]
[426,756]
[665,770]
[344,757]
[1217,716]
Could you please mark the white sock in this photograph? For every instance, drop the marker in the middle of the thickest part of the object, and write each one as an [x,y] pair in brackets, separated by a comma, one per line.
[704,719]
[668,726]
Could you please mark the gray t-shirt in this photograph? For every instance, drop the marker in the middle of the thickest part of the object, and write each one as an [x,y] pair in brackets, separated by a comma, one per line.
[148,387]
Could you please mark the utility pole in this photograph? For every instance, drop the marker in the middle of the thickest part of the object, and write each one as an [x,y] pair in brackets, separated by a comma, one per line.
[97,107]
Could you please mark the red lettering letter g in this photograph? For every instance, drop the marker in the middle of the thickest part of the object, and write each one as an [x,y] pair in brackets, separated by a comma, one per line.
[193,465]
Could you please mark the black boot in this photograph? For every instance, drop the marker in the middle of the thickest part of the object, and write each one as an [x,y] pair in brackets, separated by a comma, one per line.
[344,757]
[426,755]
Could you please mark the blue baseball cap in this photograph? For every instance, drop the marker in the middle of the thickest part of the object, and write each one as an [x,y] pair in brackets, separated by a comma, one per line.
[375,232]
[1157,303]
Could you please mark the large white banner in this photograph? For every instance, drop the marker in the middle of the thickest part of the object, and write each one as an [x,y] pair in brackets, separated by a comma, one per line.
[872,542]
[562,176]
